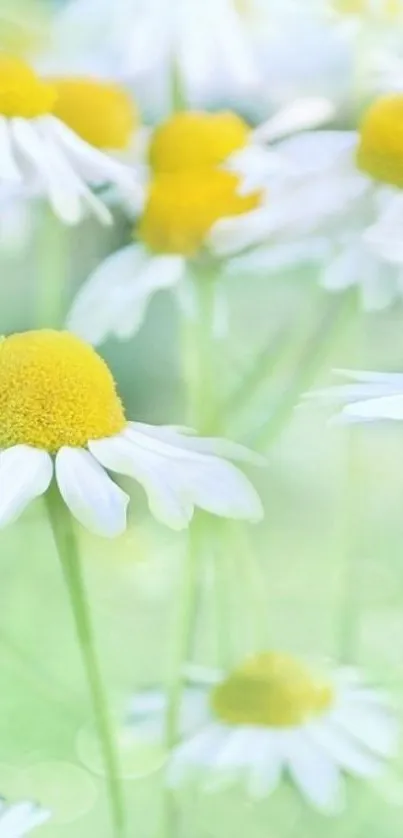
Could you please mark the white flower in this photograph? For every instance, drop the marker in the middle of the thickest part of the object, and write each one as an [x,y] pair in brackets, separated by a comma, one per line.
[40,153]
[371,396]
[18,819]
[273,716]
[343,188]
[207,167]
[61,416]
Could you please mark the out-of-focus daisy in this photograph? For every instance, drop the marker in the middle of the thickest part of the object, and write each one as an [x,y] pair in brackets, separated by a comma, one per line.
[273,715]
[347,189]
[371,396]
[18,819]
[208,45]
[206,167]
[50,138]
[60,414]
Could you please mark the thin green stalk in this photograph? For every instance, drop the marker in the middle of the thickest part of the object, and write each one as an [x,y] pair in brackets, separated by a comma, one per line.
[199,349]
[51,271]
[333,318]
[251,579]
[348,605]
[67,547]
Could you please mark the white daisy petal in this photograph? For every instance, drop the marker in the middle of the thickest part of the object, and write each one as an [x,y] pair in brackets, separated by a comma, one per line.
[346,752]
[318,150]
[25,474]
[177,479]
[299,116]
[92,497]
[386,378]
[313,771]
[265,771]
[375,729]
[65,200]
[385,236]
[20,818]
[197,752]
[201,445]
[9,169]
[115,297]
[388,407]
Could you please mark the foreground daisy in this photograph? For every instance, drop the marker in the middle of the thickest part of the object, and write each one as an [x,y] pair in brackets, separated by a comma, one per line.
[206,167]
[18,819]
[60,414]
[40,153]
[347,189]
[273,714]
[370,396]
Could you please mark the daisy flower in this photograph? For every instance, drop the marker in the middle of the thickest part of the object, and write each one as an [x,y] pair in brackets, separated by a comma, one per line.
[367,397]
[51,136]
[205,167]
[273,714]
[346,189]
[60,414]
[209,44]
[18,819]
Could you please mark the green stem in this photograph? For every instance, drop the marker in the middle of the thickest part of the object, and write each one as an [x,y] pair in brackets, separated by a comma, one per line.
[67,547]
[332,319]
[51,244]
[200,356]
[350,546]
[252,582]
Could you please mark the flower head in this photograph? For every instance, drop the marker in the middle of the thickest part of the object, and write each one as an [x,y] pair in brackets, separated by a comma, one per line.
[60,412]
[102,113]
[18,819]
[40,152]
[274,713]
[380,147]
[183,206]
[197,140]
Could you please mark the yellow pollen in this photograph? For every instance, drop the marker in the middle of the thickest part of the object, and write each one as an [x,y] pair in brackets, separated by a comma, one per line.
[182,207]
[103,114]
[380,150]
[55,390]
[273,690]
[22,92]
[196,140]
[385,10]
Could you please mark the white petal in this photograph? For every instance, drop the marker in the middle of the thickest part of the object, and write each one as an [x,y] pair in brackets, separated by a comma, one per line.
[160,272]
[385,237]
[92,497]
[344,751]
[299,116]
[375,729]
[318,150]
[267,765]
[64,199]
[278,257]
[388,379]
[344,270]
[237,750]
[20,818]
[202,445]
[198,752]
[25,473]
[177,479]
[389,407]
[9,169]
[315,774]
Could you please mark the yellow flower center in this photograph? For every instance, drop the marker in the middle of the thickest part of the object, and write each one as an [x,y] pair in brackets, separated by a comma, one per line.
[193,140]
[102,114]
[55,390]
[273,690]
[385,10]
[22,92]
[181,209]
[380,150]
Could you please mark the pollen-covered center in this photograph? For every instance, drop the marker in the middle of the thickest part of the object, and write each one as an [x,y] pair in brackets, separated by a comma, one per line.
[196,140]
[101,113]
[181,208]
[54,391]
[22,92]
[385,10]
[380,149]
[273,690]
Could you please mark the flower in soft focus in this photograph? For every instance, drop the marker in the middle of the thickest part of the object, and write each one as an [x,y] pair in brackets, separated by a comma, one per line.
[18,819]
[274,714]
[205,168]
[208,46]
[60,413]
[51,134]
[369,396]
[345,191]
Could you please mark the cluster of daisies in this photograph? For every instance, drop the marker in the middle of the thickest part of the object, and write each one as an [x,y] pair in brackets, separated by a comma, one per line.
[284,173]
